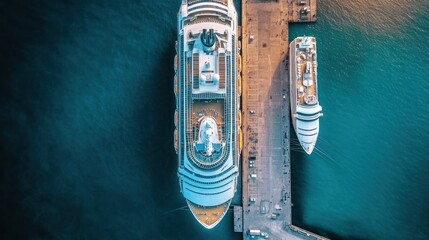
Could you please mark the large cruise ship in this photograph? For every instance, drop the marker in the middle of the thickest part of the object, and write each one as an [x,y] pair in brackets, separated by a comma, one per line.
[304,101]
[207,117]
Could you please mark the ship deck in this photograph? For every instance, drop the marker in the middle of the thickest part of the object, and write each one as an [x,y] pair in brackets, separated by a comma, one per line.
[208,107]
[308,90]
[209,215]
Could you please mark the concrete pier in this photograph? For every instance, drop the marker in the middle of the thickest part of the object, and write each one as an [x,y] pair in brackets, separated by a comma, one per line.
[266,179]
[238,218]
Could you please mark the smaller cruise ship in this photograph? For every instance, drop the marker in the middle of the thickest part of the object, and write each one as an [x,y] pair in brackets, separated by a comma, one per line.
[305,108]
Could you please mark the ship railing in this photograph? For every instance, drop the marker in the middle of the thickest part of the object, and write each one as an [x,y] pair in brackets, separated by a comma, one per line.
[190,140]
[190,2]
[233,98]
[230,114]
[222,70]
[202,17]
[199,160]
[196,70]
[208,96]
[182,61]
[308,118]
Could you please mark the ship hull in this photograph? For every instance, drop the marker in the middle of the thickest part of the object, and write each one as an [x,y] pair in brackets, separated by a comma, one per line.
[207,139]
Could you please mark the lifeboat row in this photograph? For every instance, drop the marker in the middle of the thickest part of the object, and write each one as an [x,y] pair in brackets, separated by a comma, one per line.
[176,62]
[239,83]
[239,64]
[240,133]
[239,118]
[240,140]
[176,118]
[176,85]
[239,67]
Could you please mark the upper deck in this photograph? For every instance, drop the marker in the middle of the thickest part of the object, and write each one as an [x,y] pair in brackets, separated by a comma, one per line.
[210,91]
[306,70]
[207,83]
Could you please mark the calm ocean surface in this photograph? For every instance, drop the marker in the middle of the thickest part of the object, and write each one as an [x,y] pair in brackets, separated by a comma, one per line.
[86,116]
[369,178]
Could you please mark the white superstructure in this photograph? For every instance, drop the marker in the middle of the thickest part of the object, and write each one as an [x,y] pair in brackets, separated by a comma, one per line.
[207,107]
[305,108]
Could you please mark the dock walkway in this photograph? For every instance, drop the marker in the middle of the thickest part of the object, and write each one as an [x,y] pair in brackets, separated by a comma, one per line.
[266,180]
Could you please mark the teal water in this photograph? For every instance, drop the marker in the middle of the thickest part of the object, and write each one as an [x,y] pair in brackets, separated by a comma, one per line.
[369,177]
[86,123]
[86,117]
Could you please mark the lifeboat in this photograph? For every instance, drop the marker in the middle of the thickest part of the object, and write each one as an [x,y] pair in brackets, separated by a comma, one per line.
[239,119]
[176,140]
[239,64]
[176,118]
[176,62]
[239,84]
[240,140]
[176,86]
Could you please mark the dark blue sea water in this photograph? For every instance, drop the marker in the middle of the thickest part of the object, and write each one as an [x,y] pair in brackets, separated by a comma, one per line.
[86,123]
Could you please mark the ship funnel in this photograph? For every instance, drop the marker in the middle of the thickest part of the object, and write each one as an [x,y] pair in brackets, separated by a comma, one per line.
[208,38]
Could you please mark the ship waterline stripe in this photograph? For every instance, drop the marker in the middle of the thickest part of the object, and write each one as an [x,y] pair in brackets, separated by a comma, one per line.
[308,129]
[217,8]
[308,135]
[211,190]
[232,169]
[193,2]
[208,3]
[189,183]
[188,179]
[308,114]
[208,193]
[307,120]
[210,12]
